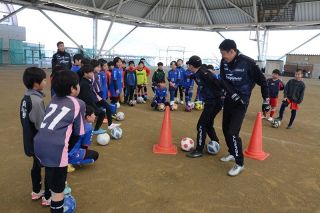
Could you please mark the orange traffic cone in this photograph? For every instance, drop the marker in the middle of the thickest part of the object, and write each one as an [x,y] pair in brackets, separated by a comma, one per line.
[254,149]
[165,145]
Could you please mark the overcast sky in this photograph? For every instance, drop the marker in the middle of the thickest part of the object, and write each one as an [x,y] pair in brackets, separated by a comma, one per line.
[148,41]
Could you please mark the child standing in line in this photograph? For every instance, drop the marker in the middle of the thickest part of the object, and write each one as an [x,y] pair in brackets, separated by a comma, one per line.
[188,86]
[63,119]
[158,76]
[180,78]
[32,111]
[103,79]
[76,62]
[293,95]
[173,81]
[116,80]
[274,85]
[141,81]
[131,83]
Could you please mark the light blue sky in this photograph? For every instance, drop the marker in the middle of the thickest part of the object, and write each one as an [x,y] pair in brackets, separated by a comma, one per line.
[148,41]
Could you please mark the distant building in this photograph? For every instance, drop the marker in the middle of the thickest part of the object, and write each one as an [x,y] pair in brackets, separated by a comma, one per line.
[310,64]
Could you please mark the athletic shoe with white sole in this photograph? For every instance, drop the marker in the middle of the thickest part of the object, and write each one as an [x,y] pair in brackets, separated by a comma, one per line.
[37,196]
[227,158]
[113,125]
[99,131]
[45,202]
[270,119]
[235,170]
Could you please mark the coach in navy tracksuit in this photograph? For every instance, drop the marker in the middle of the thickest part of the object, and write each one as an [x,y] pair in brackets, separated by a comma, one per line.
[239,74]
[210,90]
[61,57]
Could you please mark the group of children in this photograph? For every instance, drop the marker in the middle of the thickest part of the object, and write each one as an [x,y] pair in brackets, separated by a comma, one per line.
[60,134]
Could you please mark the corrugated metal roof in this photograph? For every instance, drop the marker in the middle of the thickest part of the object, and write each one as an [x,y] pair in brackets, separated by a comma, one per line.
[190,14]
[307,11]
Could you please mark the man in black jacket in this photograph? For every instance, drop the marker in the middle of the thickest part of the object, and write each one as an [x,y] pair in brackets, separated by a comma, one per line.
[61,57]
[239,74]
[210,90]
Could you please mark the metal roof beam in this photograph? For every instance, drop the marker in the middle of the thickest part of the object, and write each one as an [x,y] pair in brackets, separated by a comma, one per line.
[307,41]
[123,38]
[13,13]
[198,11]
[104,4]
[152,10]
[239,9]
[94,4]
[206,12]
[109,28]
[64,32]
[117,5]
[166,11]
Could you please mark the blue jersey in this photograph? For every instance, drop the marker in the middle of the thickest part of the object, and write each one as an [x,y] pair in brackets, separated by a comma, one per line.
[131,78]
[116,81]
[103,84]
[173,78]
[63,117]
[161,94]
[188,81]
[180,75]
[75,68]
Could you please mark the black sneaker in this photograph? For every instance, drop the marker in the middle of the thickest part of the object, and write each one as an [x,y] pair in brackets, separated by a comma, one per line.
[195,154]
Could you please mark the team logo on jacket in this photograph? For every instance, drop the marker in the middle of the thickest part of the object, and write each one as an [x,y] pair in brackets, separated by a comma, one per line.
[233,78]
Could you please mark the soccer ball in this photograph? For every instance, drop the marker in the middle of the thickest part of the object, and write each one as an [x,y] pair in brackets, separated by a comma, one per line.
[276,123]
[161,107]
[174,107]
[188,108]
[187,144]
[191,104]
[120,116]
[132,103]
[116,133]
[103,139]
[118,105]
[198,106]
[140,100]
[213,147]
[70,204]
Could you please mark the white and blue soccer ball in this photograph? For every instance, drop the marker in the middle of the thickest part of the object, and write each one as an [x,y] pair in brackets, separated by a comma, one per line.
[116,133]
[140,100]
[276,123]
[120,116]
[213,147]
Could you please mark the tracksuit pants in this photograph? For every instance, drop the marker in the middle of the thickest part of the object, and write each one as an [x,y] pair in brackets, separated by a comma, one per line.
[206,122]
[233,115]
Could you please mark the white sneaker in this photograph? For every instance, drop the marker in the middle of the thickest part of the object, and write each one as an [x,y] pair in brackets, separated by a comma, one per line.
[171,103]
[227,158]
[36,196]
[270,119]
[181,102]
[113,125]
[235,170]
[45,202]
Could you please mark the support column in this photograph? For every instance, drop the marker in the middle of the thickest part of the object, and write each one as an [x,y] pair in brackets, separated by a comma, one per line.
[95,36]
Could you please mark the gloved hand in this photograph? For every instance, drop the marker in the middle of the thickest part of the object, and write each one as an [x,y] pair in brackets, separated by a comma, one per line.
[236,98]
[266,106]
[285,102]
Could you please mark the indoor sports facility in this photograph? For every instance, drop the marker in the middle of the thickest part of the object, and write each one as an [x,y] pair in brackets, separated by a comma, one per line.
[129,176]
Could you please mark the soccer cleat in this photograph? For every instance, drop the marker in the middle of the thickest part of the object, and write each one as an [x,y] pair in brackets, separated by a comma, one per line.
[67,190]
[70,168]
[270,119]
[278,118]
[143,101]
[227,158]
[99,131]
[37,196]
[195,154]
[113,125]
[235,170]
[45,202]
[289,127]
